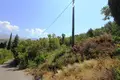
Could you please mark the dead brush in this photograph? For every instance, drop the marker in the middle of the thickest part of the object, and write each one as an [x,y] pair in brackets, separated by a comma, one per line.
[100,46]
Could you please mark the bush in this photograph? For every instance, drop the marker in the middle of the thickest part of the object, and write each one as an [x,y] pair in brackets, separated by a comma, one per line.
[5,55]
[54,43]
[117,51]
[116,39]
[31,64]
[26,62]
[40,59]
[100,46]
[117,73]
[59,58]
[23,60]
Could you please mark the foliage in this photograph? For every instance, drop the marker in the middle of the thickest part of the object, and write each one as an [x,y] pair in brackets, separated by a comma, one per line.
[54,43]
[9,43]
[90,33]
[81,37]
[63,39]
[110,28]
[117,51]
[114,6]
[116,39]
[95,47]
[56,59]
[23,60]
[116,73]
[32,64]
[33,53]
[14,46]
[40,59]
[106,12]
[3,44]
[98,32]
[5,55]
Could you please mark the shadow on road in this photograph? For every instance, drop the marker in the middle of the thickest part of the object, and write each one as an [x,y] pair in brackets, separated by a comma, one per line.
[11,65]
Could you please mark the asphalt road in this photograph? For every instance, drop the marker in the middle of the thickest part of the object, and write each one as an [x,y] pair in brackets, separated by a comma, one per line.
[7,73]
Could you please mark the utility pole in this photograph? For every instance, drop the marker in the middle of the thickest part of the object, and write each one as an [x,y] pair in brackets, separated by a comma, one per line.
[73,23]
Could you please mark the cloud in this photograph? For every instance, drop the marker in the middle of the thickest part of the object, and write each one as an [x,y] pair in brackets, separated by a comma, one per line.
[36,32]
[7,26]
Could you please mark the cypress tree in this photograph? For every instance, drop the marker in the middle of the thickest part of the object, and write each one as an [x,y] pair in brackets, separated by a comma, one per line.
[14,45]
[9,43]
[15,42]
[63,38]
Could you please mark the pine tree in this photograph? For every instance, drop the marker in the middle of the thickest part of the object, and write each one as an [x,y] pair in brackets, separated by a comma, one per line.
[9,43]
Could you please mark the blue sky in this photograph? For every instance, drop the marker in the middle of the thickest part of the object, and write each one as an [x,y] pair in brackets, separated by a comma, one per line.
[29,18]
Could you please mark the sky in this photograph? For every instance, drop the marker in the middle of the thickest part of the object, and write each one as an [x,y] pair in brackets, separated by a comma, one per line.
[30,18]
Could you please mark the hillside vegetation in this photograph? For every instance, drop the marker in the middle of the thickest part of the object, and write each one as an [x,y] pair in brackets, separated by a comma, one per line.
[95,55]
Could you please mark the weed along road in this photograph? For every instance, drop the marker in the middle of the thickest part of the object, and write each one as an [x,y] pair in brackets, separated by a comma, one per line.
[7,73]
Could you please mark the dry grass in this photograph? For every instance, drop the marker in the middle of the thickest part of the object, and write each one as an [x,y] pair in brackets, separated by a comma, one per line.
[89,70]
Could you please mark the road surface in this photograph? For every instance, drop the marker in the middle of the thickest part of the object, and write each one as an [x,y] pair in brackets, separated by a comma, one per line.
[7,73]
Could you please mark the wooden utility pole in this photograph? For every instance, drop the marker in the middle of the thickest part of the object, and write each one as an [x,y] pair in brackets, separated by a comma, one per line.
[73,23]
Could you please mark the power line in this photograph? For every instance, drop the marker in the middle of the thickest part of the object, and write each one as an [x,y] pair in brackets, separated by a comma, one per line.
[57,17]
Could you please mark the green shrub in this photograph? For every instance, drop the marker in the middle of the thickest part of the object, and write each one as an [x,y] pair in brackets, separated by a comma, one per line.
[23,60]
[54,42]
[117,52]
[40,59]
[116,38]
[117,73]
[5,55]
[59,58]
[31,64]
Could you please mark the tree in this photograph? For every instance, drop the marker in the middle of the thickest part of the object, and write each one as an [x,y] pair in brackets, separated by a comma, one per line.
[1,45]
[14,50]
[15,42]
[114,6]
[5,43]
[63,38]
[9,43]
[106,12]
[90,33]
[49,36]
[14,45]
